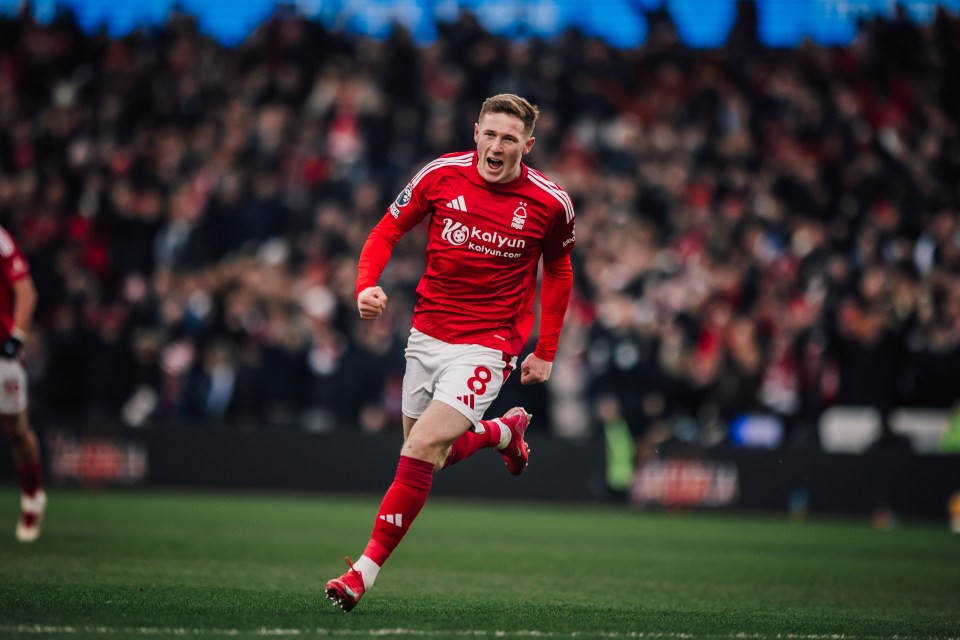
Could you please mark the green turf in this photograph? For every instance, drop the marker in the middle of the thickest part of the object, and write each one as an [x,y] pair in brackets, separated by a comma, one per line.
[157,565]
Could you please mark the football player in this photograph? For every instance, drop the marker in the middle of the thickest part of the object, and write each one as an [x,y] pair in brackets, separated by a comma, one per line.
[492,219]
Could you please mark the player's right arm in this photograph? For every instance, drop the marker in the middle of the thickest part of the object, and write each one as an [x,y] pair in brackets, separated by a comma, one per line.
[371,302]
[407,210]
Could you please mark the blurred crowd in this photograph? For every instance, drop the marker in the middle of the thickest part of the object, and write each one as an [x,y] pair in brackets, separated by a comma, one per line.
[759,231]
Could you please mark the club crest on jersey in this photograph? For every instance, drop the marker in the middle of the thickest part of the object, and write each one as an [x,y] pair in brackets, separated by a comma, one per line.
[519,216]
[403,199]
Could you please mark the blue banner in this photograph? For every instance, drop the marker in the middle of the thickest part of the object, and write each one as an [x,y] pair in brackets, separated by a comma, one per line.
[623,23]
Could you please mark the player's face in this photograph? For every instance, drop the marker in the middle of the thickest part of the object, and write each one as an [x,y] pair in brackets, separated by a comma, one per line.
[501,143]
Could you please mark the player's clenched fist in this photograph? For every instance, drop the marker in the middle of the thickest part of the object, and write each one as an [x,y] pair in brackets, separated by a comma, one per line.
[533,370]
[371,302]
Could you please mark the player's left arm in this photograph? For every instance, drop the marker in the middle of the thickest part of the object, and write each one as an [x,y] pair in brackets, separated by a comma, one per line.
[554,298]
[555,289]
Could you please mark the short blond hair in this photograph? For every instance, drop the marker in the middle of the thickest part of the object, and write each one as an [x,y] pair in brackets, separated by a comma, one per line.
[512,105]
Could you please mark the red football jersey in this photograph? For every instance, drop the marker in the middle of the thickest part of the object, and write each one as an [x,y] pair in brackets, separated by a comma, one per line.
[13,266]
[485,241]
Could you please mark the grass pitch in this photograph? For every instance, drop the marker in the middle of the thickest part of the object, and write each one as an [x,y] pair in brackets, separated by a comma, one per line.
[157,565]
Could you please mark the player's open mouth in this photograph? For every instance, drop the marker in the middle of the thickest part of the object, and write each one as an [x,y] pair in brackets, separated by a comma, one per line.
[494,164]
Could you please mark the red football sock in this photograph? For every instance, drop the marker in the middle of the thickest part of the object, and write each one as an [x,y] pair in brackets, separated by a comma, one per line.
[31,478]
[470,442]
[401,504]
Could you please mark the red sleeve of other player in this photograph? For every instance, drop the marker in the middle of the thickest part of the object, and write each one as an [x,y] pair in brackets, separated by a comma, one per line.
[13,266]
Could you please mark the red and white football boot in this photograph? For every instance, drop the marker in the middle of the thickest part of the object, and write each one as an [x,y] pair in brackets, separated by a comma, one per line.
[517,453]
[346,591]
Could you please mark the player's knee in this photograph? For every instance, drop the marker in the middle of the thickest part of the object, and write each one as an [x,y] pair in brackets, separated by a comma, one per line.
[426,446]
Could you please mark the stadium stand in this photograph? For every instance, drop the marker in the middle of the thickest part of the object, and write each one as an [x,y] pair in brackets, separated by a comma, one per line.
[760,231]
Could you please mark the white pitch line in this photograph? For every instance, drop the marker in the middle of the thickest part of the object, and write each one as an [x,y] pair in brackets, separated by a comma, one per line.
[54,630]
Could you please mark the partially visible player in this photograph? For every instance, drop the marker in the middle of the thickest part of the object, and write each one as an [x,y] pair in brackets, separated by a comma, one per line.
[18,298]
[492,220]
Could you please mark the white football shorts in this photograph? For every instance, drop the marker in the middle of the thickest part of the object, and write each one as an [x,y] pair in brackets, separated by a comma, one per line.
[13,387]
[467,377]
